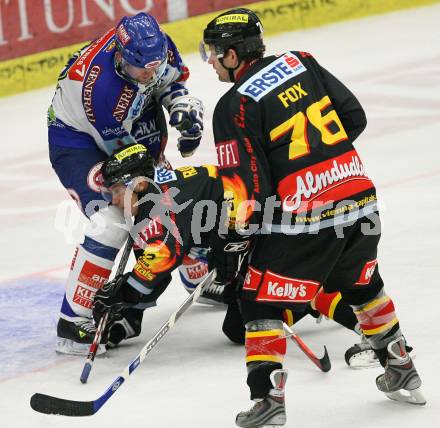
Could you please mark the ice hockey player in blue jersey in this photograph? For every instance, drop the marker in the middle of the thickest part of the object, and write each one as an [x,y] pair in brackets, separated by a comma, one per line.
[112,92]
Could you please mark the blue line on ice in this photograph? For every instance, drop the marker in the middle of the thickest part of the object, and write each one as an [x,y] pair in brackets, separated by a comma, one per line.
[28,316]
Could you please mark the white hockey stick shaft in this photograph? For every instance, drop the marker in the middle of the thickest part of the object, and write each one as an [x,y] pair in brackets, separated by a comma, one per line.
[53,405]
[103,321]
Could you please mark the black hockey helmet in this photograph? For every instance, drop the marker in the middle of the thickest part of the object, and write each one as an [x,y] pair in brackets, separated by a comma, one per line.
[127,163]
[239,29]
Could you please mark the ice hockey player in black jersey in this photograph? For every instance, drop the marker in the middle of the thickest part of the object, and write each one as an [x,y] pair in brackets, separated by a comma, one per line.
[286,129]
[172,211]
[133,164]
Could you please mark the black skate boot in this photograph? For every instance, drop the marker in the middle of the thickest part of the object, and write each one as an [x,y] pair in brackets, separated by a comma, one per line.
[269,412]
[362,356]
[400,375]
[75,337]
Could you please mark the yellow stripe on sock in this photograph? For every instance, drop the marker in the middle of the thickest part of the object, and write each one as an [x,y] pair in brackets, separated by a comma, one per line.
[271,358]
[373,304]
[252,334]
[382,328]
[335,301]
[289,315]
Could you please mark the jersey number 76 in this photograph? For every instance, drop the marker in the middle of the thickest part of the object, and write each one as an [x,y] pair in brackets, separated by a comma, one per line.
[299,143]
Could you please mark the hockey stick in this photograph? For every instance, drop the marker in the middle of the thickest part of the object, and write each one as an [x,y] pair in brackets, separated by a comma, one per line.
[323,363]
[103,321]
[58,406]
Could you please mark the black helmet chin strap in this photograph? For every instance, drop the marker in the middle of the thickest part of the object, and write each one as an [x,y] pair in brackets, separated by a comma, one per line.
[230,69]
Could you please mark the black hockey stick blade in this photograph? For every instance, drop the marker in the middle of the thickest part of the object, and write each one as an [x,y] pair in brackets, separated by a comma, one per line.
[323,363]
[49,405]
[326,365]
[58,406]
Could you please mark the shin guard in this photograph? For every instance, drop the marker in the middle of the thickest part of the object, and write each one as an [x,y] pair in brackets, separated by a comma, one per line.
[88,273]
[93,261]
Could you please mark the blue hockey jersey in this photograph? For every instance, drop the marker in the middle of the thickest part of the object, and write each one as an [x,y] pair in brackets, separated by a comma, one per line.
[97,106]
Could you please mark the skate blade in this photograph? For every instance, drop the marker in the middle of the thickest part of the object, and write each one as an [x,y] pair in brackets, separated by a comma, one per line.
[69,347]
[414,396]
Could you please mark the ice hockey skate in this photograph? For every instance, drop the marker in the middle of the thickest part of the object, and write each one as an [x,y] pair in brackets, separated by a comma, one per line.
[362,356]
[75,337]
[269,412]
[400,382]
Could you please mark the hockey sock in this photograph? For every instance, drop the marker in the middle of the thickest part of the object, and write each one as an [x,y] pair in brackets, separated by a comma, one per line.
[93,261]
[333,306]
[378,321]
[87,274]
[265,350]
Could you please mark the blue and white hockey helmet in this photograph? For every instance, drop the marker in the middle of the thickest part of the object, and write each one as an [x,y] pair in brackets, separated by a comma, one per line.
[142,44]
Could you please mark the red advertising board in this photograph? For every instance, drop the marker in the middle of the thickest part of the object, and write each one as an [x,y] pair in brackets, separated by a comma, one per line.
[32,26]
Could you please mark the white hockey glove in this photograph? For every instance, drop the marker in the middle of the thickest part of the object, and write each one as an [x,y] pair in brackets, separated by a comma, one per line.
[186,115]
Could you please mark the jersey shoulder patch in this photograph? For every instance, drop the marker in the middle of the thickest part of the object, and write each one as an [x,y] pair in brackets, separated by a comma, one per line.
[79,68]
[163,175]
[173,55]
[273,75]
[189,171]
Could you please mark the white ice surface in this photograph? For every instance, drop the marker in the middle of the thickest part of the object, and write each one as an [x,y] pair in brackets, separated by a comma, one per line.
[195,378]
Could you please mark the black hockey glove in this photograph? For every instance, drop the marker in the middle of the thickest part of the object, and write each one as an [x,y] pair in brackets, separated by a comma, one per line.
[115,296]
[227,259]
